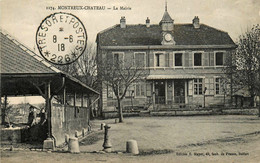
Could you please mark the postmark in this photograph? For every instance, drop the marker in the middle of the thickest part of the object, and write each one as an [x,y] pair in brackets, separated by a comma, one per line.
[61,38]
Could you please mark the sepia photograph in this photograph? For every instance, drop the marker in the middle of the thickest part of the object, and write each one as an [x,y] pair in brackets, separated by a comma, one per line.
[129,81]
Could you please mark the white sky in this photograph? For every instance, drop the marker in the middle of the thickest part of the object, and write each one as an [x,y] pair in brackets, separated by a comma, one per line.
[21,18]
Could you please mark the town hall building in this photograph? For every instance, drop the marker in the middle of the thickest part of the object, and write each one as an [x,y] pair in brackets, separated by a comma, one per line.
[185,62]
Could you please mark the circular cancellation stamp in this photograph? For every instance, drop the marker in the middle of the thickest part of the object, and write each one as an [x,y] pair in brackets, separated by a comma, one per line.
[61,38]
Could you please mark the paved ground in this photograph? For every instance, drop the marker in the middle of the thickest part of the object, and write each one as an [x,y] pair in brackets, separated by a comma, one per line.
[166,139]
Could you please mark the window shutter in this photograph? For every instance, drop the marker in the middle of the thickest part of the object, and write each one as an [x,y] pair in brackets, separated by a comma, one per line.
[148,89]
[211,58]
[186,59]
[170,60]
[166,59]
[109,57]
[190,59]
[206,59]
[151,60]
[190,87]
[224,58]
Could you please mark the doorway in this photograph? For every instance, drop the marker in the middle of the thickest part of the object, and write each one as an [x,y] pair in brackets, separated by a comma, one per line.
[179,91]
[159,92]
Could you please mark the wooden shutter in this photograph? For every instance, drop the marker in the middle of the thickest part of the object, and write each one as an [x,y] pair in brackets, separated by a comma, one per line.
[166,59]
[211,58]
[148,89]
[190,60]
[151,59]
[186,59]
[190,87]
[224,57]
[206,59]
[170,60]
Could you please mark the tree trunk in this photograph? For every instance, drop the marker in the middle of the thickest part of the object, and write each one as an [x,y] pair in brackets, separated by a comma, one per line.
[3,111]
[252,101]
[259,109]
[120,111]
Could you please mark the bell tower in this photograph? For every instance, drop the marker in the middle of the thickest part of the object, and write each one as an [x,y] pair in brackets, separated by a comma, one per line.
[167,22]
[167,28]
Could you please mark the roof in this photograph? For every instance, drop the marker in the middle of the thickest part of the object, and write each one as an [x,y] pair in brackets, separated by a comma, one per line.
[166,17]
[184,34]
[158,77]
[16,58]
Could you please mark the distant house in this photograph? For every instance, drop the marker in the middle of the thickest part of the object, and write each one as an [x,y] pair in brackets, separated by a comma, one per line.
[184,61]
[68,100]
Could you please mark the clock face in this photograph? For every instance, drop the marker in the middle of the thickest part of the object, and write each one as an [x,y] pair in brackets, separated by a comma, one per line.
[61,38]
[168,37]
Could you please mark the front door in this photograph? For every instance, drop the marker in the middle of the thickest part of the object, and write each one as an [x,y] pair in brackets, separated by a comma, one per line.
[159,92]
[179,91]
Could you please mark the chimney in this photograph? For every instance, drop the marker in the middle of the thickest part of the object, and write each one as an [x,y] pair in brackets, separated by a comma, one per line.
[196,22]
[122,22]
[147,22]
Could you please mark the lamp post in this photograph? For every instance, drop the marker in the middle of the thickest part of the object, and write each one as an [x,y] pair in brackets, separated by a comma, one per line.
[154,101]
[132,96]
[205,89]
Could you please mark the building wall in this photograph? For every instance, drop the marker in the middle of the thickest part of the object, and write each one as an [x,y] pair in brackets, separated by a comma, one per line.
[68,119]
[208,71]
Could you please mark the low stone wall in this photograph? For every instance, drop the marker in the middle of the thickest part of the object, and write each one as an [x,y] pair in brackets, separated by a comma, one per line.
[68,120]
[243,111]
[181,112]
[187,112]
[114,114]
[213,111]
[13,135]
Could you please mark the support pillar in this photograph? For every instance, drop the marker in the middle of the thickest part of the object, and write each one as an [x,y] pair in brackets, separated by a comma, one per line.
[49,142]
[166,92]
[153,95]
[173,101]
[186,91]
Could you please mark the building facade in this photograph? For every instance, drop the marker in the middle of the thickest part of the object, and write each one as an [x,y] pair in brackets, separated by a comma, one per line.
[185,63]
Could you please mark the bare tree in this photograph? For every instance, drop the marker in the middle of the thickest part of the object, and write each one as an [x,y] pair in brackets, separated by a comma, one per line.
[119,75]
[6,111]
[243,67]
[85,68]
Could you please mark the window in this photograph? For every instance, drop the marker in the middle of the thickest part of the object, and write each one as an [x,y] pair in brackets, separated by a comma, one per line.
[178,59]
[130,91]
[109,92]
[157,59]
[140,89]
[118,58]
[218,86]
[161,59]
[209,83]
[140,59]
[198,86]
[197,59]
[219,59]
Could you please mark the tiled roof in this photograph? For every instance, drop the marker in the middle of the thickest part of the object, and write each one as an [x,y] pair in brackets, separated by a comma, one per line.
[184,34]
[17,58]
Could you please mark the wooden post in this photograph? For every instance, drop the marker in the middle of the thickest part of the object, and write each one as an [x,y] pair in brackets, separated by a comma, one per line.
[82,98]
[166,92]
[64,96]
[153,95]
[48,106]
[186,91]
[74,105]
